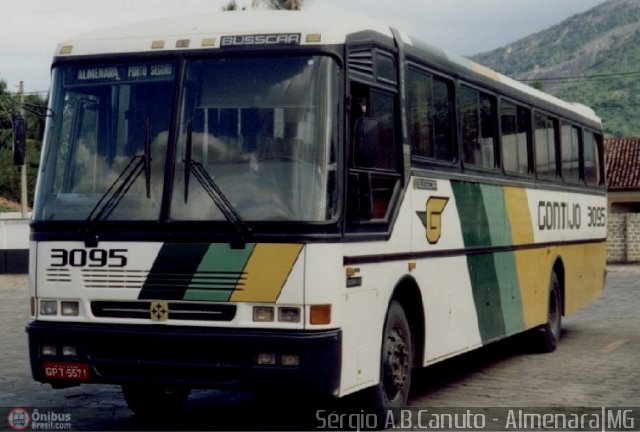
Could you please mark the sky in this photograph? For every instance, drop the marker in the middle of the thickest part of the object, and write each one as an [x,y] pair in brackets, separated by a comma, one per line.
[31,29]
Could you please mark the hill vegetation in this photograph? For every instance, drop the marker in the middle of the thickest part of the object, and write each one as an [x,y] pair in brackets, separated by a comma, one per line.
[592,58]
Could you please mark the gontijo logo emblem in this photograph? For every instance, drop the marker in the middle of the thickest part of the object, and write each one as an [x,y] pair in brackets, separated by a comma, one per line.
[435,207]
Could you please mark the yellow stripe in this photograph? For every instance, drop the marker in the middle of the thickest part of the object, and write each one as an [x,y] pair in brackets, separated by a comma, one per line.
[518,210]
[266,272]
[533,287]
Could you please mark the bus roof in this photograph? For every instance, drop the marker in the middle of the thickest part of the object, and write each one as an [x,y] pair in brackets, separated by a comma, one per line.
[214,30]
[206,31]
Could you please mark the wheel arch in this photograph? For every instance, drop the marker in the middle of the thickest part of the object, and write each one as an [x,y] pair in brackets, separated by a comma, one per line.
[407,293]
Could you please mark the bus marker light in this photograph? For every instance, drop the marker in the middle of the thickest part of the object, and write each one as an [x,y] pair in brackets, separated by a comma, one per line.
[208,42]
[266,359]
[290,360]
[263,314]
[157,44]
[314,38]
[69,308]
[320,314]
[66,49]
[48,307]
[48,350]
[289,314]
[69,351]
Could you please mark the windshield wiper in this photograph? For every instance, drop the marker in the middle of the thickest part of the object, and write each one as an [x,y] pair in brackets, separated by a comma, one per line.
[215,193]
[121,185]
[118,189]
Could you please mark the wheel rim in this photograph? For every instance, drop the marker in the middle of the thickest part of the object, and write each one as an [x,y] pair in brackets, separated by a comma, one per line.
[396,365]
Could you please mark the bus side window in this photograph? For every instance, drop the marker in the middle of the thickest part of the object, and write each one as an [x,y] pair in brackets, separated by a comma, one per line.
[592,166]
[477,114]
[515,126]
[430,102]
[546,131]
[570,145]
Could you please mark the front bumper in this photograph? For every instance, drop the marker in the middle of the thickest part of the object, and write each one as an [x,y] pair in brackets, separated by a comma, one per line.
[191,356]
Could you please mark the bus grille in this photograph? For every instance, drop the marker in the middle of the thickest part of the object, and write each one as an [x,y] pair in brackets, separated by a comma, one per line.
[177,311]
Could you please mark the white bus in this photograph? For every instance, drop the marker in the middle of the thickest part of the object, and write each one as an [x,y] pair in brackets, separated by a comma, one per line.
[284,200]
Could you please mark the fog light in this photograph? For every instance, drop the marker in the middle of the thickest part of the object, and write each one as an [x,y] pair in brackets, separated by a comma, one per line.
[70,308]
[69,351]
[48,307]
[263,314]
[289,314]
[266,359]
[48,350]
[290,360]
[320,314]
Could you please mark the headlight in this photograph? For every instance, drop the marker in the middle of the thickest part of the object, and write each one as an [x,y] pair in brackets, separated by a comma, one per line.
[70,308]
[263,314]
[289,314]
[48,307]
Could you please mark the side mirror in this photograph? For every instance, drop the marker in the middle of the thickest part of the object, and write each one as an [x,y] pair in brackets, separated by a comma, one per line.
[19,140]
[368,142]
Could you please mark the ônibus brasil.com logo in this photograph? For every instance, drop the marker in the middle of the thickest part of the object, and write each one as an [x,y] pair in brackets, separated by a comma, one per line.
[18,419]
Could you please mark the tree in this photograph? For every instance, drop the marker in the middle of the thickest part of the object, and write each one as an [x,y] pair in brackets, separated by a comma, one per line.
[278,4]
[34,118]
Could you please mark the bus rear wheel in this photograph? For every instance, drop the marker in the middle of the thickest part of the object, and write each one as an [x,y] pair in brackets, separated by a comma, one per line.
[154,401]
[548,335]
[392,392]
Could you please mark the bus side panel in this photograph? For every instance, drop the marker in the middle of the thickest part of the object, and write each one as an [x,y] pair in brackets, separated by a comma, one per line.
[449,300]
[450,311]
[579,220]
[584,274]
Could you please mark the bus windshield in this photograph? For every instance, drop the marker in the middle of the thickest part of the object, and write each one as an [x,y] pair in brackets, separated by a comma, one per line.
[104,116]
[262,132]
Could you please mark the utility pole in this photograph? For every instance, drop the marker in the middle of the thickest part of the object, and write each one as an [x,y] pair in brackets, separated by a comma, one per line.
[23,167]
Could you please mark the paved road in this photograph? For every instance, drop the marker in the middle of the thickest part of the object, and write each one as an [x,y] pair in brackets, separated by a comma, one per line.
[596,365]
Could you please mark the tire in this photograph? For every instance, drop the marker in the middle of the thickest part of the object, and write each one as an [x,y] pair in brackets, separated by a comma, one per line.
[392,392]
[548,335]
[152,402]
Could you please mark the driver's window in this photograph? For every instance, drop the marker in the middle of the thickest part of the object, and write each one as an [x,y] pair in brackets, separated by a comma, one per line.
[374,163]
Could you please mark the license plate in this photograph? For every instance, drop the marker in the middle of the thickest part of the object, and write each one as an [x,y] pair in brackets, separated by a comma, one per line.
[66,371]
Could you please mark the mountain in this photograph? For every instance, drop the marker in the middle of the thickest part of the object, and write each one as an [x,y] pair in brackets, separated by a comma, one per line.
[592,58]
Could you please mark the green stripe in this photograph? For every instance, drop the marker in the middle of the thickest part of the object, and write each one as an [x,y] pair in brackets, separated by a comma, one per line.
[477,231]
[219,273]
[505,264]
[510,298]
[172,271]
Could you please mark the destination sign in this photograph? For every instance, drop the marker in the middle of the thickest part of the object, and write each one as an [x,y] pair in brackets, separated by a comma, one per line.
[120,73]
[261,39]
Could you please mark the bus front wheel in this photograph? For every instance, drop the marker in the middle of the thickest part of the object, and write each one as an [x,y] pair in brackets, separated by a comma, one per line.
[392,392]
